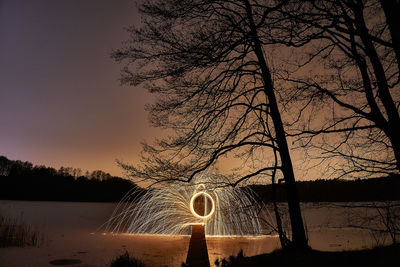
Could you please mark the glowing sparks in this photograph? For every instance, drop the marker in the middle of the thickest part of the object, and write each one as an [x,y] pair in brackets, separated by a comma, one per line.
[171,210]
[206,196]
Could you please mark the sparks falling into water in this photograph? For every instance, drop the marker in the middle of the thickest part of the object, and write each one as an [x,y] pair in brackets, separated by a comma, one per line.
[170,210]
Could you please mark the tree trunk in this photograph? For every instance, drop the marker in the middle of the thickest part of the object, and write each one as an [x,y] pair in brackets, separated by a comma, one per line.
[394,137]
[392,13]
[391,8]
[393,129]
[299,240]
[282,236]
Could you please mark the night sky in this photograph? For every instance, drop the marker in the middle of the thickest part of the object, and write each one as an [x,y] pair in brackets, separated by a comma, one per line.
[61,103]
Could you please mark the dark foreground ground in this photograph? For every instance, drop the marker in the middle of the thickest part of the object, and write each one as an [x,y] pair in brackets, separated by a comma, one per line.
[388,256]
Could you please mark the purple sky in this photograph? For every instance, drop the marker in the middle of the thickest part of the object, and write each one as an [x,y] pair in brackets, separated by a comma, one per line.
[60,99]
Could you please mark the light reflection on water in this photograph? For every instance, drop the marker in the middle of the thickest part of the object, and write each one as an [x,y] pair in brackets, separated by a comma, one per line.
[67,226]
[160,250]
[70,227]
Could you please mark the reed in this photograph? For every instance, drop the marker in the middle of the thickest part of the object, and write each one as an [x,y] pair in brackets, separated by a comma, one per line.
[125,260]
[16,233]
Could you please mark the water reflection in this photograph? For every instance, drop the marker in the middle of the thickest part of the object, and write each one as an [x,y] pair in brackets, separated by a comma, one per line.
[161,250]
[68,227]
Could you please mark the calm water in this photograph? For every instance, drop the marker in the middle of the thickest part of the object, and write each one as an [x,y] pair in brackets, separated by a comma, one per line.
[71,232]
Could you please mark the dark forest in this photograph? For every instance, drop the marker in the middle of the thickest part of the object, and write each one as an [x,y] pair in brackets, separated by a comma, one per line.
[23,181]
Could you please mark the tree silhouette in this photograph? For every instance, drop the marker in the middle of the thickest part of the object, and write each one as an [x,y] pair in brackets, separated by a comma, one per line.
[205,62]
[23,181]
[344,72]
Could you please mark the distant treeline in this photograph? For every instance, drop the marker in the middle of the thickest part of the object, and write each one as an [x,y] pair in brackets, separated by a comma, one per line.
[374,189]
[23,181]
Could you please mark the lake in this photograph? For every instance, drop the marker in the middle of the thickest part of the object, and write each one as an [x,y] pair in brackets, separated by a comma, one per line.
[71,231]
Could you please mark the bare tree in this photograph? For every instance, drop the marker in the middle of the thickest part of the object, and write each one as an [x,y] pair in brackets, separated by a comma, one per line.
[380,219]
[206,64]
[342,70]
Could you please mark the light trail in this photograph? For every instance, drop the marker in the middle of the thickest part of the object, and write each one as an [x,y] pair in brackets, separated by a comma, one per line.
[169,211]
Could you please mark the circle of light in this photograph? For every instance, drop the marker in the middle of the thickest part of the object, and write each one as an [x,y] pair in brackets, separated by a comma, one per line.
[192,203]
